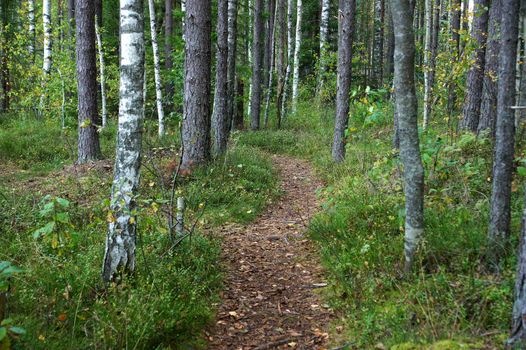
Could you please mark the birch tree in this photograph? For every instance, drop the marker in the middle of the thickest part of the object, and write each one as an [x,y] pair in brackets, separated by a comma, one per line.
[231,62]
[32,35]
[406,107]
[257,65]
[102,68]
[324,34]
[475,76]
[119,254]
[378,45]
[500,214]
[346,24]
[168,61]
[196,107]
[46,68]
[297,47]
[290,51]
[427,59]
[157,69]
[271,69]
[220,114]
[88,114]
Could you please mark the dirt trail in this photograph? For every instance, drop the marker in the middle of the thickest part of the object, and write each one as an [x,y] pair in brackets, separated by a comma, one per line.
[270,299]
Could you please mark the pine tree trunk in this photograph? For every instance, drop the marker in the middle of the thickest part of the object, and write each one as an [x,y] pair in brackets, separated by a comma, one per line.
[121,237]
[378,45]
[196,110]
[290,50]
[346,25]
[324,34]
[168,61]
[297,48]
[257,66]
[282,41]
[475,76]
[220,114]
[88,114]
[488,108]
[500,216]
[231,63]
[157,68]
[406,106]
[102,67]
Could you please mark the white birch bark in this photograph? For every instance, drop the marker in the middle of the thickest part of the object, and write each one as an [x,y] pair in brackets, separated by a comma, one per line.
[102,67]
[157,68]
[324,32]
[290,50]
[296,75]
[271,70]
[46,68]
[427,56]
[183,10]
[31,16]
[249,52]
[120,240]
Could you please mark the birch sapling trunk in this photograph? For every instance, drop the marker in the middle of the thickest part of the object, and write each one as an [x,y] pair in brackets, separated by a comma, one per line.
[269,40]
[46,67]
[474,82]
[157,69]
[196,108]
[454,49]
[168,61]
[324,34]
[378,46]
[102,68]
[271,69]
[232,52]
[257,65]
[297,48]
[427,59]
[220,113]
[500,214]
[488,108]
[290,51]
[406,106]
[32,35]
[346,23]
[88,114]
[119,256]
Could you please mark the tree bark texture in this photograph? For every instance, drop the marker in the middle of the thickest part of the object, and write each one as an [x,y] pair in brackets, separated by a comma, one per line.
[297,48]
[232,54]
[281,67]
[324,34]
[119,254]
[378,45]
[196,109]
[257,65]
[88,114]
[290,51]
[168,48]
[156,68]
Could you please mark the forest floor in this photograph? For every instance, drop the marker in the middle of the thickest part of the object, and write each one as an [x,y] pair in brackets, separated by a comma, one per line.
[271,298]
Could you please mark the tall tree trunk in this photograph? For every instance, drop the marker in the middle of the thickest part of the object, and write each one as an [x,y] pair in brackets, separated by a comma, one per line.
[239,110]
[196,110]
[500,216]
[231,62]
[324,34]
[389,65]
[378,46]
[406,106]
[282,41]
[157,68]
[102,67]
[98,12]
[290,50]
[521,117]
[168,61]
[297,48]
[427,59]
[488,108]
[454,49]
[32,35]
[121,237]
[220,114]
[271,69]
[88,114]
[475,76]
[269,40]
[46,68]
[257,65]
[346,25]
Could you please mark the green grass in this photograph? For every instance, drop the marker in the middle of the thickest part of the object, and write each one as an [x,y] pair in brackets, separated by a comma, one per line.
[172,296]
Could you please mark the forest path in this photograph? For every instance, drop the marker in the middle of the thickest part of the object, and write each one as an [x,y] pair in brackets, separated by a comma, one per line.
[269,301]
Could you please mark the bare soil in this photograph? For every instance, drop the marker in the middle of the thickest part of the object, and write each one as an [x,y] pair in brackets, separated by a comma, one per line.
[271,297]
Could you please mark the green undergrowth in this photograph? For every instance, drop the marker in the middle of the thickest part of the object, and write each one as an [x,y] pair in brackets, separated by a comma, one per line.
[53,224]
[449,302]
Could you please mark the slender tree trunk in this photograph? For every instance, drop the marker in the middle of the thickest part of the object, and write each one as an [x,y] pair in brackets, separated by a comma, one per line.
[324,34]
[232,54]
[282,41]
[239,110]
[46,68]
[88,114]
[454,49]
[427,60]
[157,68]
[290,50]
[297,48]
[500,216]
[346,25]
[269,40]
[488,108]
[32,35]
[271,69]
[389,65]
[220,114]
[121,237]
[406,106]
[522,86]
[378,46]
[475,76]
[168,61]
[249,22]
[196,110]
[257,65]
[102,67]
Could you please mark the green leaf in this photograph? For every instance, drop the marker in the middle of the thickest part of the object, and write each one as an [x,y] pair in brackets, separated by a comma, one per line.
[521,171]
[47,229]
[3,333]
[63,218]
[17,330]
[6,322]
[63,202]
